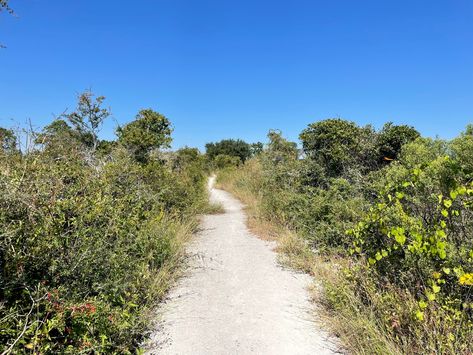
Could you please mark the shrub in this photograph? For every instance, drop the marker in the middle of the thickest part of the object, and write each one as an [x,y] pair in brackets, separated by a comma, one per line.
[395,233]
[84,236]
[224,161]
[229,147]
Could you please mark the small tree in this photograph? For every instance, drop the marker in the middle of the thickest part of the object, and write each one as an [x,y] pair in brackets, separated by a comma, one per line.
[333,144]
[88,117]
[149,131]
[279,148]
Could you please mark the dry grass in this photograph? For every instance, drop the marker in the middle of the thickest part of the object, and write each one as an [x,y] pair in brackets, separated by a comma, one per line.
[355,324]
[213,208]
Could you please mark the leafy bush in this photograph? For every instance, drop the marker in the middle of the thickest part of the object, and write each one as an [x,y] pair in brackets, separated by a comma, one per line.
[224,161]
[229,147]
[86,240]
[149,131]
[392,213]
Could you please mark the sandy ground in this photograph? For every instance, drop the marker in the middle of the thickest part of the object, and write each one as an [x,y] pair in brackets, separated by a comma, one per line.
[236,299]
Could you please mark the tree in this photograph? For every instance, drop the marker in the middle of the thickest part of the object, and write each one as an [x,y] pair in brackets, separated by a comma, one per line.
[7,140]
[231,147]
[149,131]
[279,148]
[57,132]
[333,144]
[391,139]
[88,117]
[185,157]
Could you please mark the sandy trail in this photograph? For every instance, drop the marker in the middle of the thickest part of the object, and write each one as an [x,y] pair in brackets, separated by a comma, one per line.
[236,299]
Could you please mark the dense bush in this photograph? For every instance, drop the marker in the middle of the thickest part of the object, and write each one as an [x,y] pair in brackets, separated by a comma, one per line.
[395,210]
[229,147]
[224,161]
[87,236]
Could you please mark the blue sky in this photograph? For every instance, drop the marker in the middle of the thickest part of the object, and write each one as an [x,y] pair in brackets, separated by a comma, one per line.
[234,69]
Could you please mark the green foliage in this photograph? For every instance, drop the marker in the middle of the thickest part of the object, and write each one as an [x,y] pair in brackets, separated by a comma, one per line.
[58,135]
[148,132]
[88,118]
[333,144]
[280,149]
[229,147]
[401,226]
[421,243]
[339,148]
[86,238]
[391,139]
[462,152]
[224,161]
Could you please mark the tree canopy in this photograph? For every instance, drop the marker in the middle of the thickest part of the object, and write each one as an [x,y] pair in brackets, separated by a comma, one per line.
[149,131]
[88,117]
[391,139]
[231,147]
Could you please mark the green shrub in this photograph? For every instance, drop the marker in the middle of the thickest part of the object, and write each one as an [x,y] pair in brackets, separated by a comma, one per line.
[224,161]
[86,240]
[402,276]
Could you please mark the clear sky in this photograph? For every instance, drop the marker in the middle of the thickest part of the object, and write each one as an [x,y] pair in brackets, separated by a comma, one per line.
[234,69]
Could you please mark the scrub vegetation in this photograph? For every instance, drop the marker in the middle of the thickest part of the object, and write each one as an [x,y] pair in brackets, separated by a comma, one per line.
[91,231]
[383,219]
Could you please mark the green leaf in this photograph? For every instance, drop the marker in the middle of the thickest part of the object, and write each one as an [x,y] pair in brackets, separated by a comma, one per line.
[447,203]
[446,270]
[422,304]
[420,315]
[435,288]
[400,195]
[444,213]
[430,296]
[442,254]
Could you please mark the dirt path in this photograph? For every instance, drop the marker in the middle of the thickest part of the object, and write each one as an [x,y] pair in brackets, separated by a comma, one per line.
[236,299]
